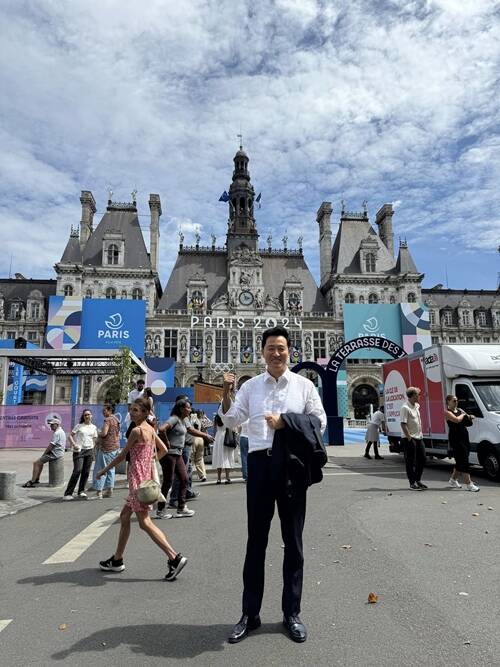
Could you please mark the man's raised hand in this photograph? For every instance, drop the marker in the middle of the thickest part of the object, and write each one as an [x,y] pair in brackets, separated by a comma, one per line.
[229,380]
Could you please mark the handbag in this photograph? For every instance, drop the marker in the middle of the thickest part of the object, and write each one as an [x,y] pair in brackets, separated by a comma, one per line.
[230,439]
[148,492]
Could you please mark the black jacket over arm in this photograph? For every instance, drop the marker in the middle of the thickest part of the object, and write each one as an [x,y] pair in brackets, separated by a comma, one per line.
[298,453]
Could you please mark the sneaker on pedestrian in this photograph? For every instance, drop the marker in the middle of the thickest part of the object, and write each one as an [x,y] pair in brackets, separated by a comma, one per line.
[107,493]
[415,487]
[68,497]
[421,485]
[161,514]
[184,512]
[175,566]
[472,487]
[82,494]
[98,494]
[454,483]
[112,565]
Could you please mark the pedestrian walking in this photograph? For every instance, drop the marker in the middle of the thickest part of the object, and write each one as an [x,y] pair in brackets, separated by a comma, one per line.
[222,455]
[142,445]
[270,402]
[173,432]
[82,439]
[107,447]
[413,442]
[54,450]
[372,436]
[458,437]
[198,448]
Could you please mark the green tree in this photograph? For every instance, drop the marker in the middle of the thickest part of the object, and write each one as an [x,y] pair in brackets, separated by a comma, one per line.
[120,384]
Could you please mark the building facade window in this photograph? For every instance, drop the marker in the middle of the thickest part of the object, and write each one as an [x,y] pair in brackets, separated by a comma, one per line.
[469,339]
[10,335]
[361,299]
[319,344]
[137,294]
[68,290]
[466,317]
[296,339]
[110,293]
[124,294]
[447,318]
[486,339]
[35,311]
[373,298]
[370,262]
[411,297]
[88,293]
[432,317]
[113,254]
[349,298]
[32,335]
[392,299]
[434,340]
[196,340]
[481,318]
[170,346]
[452,339]
[221,346]
[15,310]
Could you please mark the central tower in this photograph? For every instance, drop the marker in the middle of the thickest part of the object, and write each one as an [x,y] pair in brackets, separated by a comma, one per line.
[241,225]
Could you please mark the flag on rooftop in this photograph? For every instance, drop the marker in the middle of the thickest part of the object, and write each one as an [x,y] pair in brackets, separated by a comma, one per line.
[224,196]
[259,197]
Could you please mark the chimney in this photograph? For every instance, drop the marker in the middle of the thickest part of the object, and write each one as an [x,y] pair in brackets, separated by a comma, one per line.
[384,222]
[88,209]
[325,241]
[155,208]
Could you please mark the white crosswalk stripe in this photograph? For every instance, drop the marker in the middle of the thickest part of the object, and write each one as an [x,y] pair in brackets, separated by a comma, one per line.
[81,542]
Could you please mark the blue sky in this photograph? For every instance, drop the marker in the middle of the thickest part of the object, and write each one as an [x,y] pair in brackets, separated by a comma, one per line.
[388,101]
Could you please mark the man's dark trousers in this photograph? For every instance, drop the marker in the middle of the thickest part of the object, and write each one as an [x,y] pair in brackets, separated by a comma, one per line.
[414,451]
[262,494]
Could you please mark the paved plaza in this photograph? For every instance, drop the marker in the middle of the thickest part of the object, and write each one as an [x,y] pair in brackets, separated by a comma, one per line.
[431,557]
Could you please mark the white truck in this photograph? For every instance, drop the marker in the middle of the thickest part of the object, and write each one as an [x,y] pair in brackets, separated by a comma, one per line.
[472,374]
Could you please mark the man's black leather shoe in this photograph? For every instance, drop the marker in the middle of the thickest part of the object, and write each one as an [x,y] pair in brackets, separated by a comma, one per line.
[295,628]
[243,627]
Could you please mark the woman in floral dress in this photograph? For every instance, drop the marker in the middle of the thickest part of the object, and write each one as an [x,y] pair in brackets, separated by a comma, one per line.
[141,444]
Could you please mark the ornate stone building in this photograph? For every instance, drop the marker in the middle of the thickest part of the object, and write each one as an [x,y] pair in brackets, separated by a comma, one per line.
[219,298]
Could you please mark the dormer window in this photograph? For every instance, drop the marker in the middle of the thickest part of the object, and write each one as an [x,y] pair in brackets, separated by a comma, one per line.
[113,254]
[35,311]
[15,311]
[68,290]
[466,317]
[370,262]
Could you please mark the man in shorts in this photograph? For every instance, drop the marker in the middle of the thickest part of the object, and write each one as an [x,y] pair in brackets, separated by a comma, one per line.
[55,450]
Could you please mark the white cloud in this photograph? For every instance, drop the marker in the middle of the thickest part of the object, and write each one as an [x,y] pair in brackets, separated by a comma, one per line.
[389,101]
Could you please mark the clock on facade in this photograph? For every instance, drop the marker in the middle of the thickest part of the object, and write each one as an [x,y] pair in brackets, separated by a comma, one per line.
[246,298]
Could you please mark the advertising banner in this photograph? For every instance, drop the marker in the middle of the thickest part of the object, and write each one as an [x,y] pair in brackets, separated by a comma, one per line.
[415,327]
[160,376]
[27,425]
[111,324]
[374,319]
[64,322]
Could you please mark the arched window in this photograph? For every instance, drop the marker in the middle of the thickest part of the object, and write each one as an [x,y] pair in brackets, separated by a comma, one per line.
[113,254]
[88,293]
[373,298]
[392,299]
[370,262]
[411,297]
[110,293]
[137,294]
[68,290]
[349,298]
[35,311]
[361,299]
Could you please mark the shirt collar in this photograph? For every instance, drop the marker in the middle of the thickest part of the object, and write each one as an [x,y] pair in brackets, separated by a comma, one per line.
[285,378]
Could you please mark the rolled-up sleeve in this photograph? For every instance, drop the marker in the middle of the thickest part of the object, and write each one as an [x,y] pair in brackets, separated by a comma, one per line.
[314,406]
[238,411]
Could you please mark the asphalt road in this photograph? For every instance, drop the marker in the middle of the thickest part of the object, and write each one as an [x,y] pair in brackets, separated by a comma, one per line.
[416,550]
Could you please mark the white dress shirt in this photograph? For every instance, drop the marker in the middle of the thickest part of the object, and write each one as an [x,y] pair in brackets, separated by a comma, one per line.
[264,395]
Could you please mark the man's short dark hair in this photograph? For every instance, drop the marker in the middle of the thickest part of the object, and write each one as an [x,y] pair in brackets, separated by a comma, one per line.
[141,380]
[275,331]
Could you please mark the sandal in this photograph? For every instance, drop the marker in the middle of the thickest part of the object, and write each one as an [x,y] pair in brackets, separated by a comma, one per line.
[29,485]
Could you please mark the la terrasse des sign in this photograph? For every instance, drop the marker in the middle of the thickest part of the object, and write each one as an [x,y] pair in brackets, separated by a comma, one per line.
[211,322]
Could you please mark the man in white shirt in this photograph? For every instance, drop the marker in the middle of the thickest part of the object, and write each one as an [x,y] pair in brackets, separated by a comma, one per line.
[413,443]
[261,401]
[137,392]
[53,451]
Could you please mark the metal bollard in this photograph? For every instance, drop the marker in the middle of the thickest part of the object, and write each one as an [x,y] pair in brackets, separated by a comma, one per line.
[7,485]
[56,472]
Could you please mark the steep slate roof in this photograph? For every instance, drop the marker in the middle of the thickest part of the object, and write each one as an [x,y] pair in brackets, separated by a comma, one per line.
[72,253]
[213,267]
[345,252]
[405,263]
[123,221]
[15,288]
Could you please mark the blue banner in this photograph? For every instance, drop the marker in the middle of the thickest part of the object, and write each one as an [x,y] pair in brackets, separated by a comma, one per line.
[160,376]
[374,319]
[112,323]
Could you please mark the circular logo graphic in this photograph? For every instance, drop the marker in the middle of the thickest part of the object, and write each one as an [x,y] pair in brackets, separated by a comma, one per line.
[158,387]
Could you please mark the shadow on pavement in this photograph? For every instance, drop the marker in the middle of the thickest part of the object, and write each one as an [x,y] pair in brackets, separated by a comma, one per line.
[88,577]
[160,640]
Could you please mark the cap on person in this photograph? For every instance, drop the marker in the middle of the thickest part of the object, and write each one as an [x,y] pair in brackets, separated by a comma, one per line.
[54,420]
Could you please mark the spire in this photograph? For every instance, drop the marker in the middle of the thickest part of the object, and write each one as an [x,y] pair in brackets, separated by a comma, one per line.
[241,202]
[405,263]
